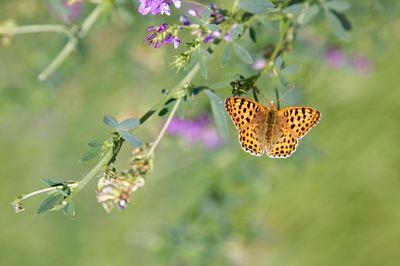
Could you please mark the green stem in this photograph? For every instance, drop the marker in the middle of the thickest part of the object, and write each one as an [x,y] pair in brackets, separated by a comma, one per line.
[58,60]
[175,92]
[71,45]
[235,5]
[283,29]
[14,30]
[45,190]
[89,176]
[164,129]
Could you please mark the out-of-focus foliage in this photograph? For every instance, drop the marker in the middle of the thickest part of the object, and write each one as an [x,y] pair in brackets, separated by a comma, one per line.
[334,202]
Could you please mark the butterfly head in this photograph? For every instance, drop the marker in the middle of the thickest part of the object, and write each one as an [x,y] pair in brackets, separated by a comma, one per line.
[272,106]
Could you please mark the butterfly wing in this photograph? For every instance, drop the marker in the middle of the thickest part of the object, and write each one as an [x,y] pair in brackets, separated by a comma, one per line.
[243,111]
[284,146]
[248,117]
[299,120]
[250,139]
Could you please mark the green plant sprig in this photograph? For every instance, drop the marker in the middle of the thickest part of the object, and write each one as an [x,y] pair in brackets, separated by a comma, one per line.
[112,150]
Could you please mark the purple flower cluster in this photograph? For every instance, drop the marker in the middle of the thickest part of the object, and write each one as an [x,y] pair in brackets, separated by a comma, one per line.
[155,7]
[336,58]
[161,35]
[196,131]
[216,17]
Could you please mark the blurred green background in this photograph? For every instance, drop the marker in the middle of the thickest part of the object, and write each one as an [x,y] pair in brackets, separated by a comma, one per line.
[334,202]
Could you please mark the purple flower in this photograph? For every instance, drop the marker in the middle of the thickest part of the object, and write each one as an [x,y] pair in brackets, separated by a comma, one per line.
[157,44]
[335,58]
[359,63]
[163,27]
[217,16]
[228,37]
[362,65]
[161,35]
[259,64]
[196,131]
[194,13]
[152,28]
[155,7]
[172,39]
[185,21]
[150,37]
[212,36]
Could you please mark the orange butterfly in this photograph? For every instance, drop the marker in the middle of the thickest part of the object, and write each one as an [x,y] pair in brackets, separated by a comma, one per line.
[267,129]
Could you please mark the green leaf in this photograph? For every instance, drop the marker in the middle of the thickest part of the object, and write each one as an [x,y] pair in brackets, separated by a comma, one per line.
[220,84]
[52,182]
[253,35]
[336,25]
[193,60]
[195,20]
[213,27]
[218,110]
[337,5]
[226,54]
[294,9]
[163,111]
[256,6]
[110,121]
[205,53]
[131,139]
[181,110]
[291,70]
[203,67]
[344,20]
[237,31]
[128,124]
[69,210]
[278,62]
[49,203]
[273,16]
[206,14]
[283,81]
[91,154]
[243,54]
[309,14]
[95,143]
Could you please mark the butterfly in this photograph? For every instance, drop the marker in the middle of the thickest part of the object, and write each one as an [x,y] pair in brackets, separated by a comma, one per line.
[265,129]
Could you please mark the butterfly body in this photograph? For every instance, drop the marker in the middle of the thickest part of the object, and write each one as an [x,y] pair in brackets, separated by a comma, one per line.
[265,129]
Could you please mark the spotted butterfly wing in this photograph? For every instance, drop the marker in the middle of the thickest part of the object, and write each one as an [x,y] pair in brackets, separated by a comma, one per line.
[300,120]
[246,116]
[243,111]
[285,146]
[249,138]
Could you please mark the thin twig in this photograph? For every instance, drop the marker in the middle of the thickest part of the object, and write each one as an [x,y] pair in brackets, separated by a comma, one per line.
[45,190]
[71,45]
[165,127]
[14,30]
[58,60]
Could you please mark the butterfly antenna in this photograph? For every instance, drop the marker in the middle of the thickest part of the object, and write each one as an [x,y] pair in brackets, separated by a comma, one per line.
[279,99]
